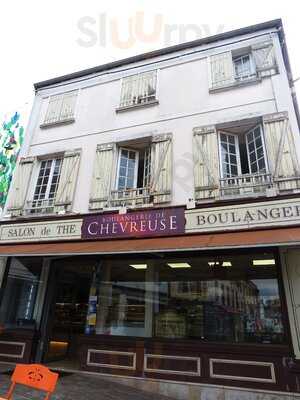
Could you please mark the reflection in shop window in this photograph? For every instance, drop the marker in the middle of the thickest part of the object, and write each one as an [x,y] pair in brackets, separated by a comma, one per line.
[225,301]
[20,293]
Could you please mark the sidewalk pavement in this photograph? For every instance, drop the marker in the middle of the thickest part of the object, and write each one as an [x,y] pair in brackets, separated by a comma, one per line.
[81,387]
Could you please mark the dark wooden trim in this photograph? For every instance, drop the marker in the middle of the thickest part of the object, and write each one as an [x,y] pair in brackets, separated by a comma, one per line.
[18,339]
[267,357]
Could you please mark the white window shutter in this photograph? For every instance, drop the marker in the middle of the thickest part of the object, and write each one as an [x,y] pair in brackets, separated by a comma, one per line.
[281,150]
[67,181]
[103,176]
[161,168]
[221,70]
[53,110]
[138,89]
[68,105]
[265,60]
[20,184]
[206,163]
[126,92]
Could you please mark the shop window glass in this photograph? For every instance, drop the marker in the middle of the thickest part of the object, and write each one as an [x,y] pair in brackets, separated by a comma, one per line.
[20,295]
[231,299]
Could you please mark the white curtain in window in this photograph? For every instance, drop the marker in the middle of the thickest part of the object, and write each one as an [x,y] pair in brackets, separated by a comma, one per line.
[67,181]
[103,175]
[20,184]
[161,168]
[206,162]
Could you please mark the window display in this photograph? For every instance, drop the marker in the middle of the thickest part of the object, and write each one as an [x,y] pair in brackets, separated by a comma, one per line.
[230,298]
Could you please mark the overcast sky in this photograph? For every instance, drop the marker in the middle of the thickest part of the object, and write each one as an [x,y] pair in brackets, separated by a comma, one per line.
[44,39]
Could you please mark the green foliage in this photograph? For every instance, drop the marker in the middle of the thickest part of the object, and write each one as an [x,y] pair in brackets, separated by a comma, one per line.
[11,139]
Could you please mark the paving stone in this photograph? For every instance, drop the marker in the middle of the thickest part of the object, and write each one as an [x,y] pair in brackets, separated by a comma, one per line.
[78,387]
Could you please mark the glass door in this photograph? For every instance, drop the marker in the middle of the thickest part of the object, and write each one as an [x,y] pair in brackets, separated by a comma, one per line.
[66,316]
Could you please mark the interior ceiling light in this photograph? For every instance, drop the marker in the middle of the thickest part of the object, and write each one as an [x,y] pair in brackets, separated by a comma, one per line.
[226,264]
[139,266]
[270,261]
[179,265]
[213,263]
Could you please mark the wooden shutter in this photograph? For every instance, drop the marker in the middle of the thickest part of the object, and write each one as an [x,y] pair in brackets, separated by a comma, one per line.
[20,184]
[206,163]
[102,176]
[161,168]
[221,70]
[68,106]
[53,110]
[281,150]
[67,181]
[264,57]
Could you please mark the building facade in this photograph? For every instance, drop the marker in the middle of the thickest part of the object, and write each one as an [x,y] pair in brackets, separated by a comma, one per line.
[152,229]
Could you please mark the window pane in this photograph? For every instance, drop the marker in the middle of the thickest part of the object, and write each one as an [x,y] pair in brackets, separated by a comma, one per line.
[234,170]
[127,169]
[252,157]
[229,155]
[221,298]
[233,159]
[242,67]
[231,139]
[223,138]
[121,183]
[253,168]
[256,150]
[260,152]
[251,147]
[261,164]
[20,294]
[232,149]
[258,142]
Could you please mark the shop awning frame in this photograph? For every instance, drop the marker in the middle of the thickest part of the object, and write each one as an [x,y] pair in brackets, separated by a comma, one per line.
[288,236]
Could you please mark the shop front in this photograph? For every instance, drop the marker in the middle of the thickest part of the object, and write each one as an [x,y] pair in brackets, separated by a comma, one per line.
[172,304]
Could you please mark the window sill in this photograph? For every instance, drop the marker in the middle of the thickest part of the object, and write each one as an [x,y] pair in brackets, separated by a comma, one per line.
[236,84]
[57,123]
[137,106]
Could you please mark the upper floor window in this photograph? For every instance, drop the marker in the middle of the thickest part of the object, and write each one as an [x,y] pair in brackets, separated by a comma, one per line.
[138,89]
[134,168]
[133,173]
[46,186]
[242,153]
[251,157]
[242,65]
[61,109]
[243,162]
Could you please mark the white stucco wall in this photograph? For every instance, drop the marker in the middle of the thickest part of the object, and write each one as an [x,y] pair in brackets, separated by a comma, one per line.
[184,103]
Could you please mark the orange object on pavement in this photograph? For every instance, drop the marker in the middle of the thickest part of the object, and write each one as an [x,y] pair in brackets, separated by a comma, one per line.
[35,376]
